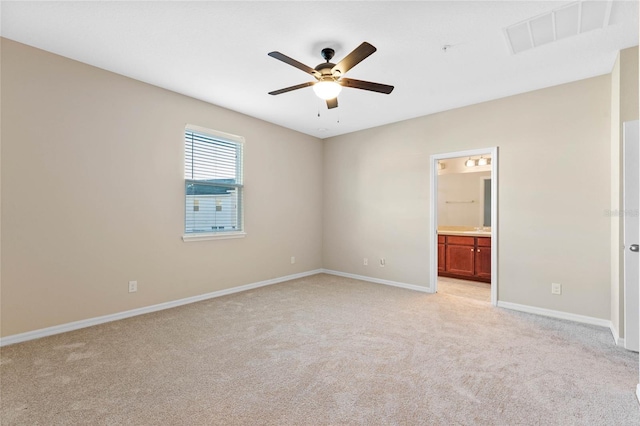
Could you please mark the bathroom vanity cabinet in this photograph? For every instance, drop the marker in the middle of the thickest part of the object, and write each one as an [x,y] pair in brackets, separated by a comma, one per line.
[465,257]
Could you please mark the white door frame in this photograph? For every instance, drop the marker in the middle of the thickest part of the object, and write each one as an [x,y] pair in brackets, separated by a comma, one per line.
[630,224]
[638,386]
[433,210]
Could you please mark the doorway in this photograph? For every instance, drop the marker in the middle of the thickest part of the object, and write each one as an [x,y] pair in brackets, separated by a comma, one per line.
[491,214]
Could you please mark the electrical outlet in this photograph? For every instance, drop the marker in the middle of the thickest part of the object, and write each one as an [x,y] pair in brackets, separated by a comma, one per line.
[133,286]
[382,262]
[556,288]
[365,262]
[293,260]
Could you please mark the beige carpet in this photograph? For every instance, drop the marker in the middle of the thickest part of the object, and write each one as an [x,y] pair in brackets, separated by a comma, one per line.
[325,350]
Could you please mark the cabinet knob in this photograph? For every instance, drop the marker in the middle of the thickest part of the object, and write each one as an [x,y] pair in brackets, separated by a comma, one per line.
[478,250]
[471,249]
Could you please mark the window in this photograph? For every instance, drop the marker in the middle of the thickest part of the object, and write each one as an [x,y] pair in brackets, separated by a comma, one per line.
[213,184]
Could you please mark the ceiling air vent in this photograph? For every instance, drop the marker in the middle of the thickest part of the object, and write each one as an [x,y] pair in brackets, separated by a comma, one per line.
[566,21]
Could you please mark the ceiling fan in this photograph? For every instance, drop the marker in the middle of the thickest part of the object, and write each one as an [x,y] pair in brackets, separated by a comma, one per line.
[329,77]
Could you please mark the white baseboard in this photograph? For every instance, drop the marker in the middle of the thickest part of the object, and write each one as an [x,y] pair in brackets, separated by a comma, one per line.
[554,314]
[616,337]
[63,328]
[379,281]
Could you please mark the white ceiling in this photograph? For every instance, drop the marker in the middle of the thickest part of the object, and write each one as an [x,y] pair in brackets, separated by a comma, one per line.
[217,52]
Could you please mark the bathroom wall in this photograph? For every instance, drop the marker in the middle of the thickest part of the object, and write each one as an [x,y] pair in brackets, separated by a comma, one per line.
[460,199]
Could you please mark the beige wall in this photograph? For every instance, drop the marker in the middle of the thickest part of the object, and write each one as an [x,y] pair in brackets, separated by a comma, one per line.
[553,193]
[93,195]
[624,107]
[615,158]
[629,84]
[0,184]
[455,191]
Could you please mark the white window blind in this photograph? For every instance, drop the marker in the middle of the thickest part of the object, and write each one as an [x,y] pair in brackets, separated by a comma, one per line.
[213,181]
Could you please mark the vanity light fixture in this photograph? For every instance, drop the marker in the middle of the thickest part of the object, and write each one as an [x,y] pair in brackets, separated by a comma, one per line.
[483,161]
[441,166]
[470,163]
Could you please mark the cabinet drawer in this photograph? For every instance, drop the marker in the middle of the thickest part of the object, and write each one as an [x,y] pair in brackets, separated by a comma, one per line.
[441,239]
[461,241]
[484,242]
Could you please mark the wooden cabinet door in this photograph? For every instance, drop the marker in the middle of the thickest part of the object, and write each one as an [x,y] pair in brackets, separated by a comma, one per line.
[483,262]
[484,242]
[441,257]
[460,260]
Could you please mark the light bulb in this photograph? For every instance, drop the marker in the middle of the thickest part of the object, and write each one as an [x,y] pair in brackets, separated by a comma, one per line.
[470,163]
[327,89]
[483,161]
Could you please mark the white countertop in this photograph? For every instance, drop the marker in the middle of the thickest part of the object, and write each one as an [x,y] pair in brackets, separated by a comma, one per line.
[466,233]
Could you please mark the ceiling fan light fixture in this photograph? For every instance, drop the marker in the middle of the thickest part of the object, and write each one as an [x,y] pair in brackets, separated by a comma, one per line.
[327,89]
[329,80]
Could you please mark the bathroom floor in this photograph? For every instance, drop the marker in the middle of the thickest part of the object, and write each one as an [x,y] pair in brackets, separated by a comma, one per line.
[467,289]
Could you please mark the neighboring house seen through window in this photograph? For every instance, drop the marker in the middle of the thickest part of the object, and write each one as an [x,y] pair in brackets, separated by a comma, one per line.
[213,183]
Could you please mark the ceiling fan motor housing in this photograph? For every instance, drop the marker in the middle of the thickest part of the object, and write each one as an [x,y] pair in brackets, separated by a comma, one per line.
[327,53]
[325,70]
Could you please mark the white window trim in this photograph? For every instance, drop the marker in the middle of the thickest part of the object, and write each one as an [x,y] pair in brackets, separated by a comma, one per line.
[215,133]
[190,238]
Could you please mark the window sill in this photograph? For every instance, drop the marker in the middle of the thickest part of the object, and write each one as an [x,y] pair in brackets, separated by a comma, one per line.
[218,236]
